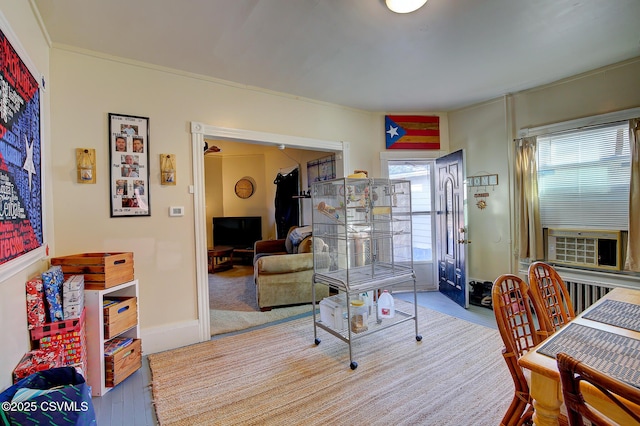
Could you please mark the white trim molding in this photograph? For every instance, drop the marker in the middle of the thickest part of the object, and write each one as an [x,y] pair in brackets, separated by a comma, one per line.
[578,123]
[171,336]
[200,131]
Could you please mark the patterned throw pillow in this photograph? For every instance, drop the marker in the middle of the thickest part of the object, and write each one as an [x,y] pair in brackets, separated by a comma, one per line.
[295,237]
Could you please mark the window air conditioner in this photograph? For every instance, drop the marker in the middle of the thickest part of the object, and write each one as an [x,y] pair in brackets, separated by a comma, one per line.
[589,248]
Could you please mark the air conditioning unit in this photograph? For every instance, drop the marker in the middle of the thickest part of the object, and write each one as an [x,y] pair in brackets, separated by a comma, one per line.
[588,248]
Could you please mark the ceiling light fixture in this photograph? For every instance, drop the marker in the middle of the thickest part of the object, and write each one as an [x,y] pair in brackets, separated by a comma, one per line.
[404,6]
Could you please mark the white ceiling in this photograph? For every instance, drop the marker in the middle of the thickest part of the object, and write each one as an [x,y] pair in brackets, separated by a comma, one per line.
[356,53]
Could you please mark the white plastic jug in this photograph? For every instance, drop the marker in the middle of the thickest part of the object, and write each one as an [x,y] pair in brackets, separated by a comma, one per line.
[385,305]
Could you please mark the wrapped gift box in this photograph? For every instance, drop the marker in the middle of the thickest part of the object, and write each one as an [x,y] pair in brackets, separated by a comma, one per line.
[36,314]
[38,360]
[52,281]
[73,296]
[69,335]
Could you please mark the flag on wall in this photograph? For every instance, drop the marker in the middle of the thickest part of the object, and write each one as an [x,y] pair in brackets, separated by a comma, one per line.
[412,131]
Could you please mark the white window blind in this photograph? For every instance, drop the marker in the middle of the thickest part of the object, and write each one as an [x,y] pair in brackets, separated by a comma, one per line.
[583,178]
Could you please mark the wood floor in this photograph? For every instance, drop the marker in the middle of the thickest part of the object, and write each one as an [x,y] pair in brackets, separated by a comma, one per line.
[130,403]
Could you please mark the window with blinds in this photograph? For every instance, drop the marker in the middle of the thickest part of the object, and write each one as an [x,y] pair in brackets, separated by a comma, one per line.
[583,178]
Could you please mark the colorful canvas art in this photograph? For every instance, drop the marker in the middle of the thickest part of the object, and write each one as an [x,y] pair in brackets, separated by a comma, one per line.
[20,156]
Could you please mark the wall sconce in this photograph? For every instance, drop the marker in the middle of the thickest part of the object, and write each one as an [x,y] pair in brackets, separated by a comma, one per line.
[168,169]
[86,165]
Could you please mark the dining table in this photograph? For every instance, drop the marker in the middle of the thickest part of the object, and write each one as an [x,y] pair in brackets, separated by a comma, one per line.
[605,336]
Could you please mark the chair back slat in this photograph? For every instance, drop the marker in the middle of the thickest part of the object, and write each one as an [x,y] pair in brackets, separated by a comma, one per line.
[516,313]
[550,291]
[514,310]
[619,394]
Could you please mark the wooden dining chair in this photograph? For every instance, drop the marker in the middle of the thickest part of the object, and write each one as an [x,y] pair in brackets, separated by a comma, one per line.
[515,313]
[573,372]
[550,291]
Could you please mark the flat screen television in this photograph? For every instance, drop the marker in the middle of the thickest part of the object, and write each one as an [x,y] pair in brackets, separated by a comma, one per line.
[238,232]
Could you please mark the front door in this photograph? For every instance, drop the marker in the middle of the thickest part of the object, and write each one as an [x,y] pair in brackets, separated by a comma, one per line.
[451,228]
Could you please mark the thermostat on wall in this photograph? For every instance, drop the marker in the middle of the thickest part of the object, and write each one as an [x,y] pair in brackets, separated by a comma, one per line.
[176,211]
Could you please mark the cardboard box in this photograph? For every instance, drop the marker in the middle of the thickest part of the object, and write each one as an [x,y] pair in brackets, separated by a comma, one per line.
[120,315]
[123,363]
[100,270]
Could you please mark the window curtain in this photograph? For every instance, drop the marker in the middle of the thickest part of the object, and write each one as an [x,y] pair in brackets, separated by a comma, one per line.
[632,262]
[529,231]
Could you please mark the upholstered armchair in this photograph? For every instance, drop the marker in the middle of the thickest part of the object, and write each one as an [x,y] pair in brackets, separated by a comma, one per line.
[283,269]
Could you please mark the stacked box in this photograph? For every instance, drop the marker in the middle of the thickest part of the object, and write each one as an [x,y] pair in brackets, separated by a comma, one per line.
[38,360]
[73,296]
[52,280]
[122,363]
[36,314]
[69,336]
[120,314]
[100,270]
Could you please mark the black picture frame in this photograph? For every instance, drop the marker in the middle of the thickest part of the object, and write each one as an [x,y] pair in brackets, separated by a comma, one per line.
[129,165]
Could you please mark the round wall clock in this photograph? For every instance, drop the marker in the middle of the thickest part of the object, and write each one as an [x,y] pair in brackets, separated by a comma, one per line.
[244,188]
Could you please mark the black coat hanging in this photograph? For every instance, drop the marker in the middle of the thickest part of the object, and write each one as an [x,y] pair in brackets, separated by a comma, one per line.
[287,208]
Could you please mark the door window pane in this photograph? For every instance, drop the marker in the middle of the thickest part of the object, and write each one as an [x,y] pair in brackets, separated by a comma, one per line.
[419,174]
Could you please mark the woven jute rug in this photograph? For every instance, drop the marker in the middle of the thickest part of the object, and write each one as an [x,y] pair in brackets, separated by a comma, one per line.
[278,376]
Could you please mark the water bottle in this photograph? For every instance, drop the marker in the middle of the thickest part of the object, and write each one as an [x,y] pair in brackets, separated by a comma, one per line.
[385,305]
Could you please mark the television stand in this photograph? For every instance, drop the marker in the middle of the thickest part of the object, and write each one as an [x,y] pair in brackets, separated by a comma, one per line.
[245,254]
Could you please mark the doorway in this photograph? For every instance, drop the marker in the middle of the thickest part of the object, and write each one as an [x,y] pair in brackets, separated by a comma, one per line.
[200,131]
[420,173]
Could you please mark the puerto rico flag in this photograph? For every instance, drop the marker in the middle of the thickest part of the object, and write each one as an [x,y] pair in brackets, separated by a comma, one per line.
[412,131]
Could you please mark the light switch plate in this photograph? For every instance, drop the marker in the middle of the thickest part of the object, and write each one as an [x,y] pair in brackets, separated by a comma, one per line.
[176,211]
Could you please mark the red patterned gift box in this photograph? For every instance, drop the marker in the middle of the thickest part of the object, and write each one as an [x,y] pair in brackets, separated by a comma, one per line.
[69,336]
[38,360]
[36,316]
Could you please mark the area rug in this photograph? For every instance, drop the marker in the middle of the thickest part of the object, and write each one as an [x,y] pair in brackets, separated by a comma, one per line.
[233,290]
[277,375]
[233,304]
[223,321]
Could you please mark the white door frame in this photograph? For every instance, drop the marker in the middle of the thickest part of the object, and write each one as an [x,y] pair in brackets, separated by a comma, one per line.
[429,271]
[200,131]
